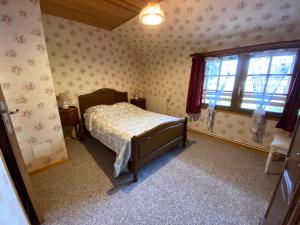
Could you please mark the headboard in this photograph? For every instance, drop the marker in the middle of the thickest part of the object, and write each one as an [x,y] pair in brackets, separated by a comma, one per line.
[104,96]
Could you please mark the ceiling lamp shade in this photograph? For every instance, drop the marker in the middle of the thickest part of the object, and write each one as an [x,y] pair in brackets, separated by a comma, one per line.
[152,14]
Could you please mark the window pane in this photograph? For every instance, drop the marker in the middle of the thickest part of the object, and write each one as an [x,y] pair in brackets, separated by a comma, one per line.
[268,81]
[211,83]
[282,64]
[226,82]
[276,104]
[224,99]
[212,67]
[255,83]
[278,84]
[259,65]
[219,80]
[224,103]
[229,67]
[248,105]
[276,109]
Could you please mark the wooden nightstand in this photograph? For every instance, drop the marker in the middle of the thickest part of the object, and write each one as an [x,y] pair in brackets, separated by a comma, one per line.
[141,102]
[69,117]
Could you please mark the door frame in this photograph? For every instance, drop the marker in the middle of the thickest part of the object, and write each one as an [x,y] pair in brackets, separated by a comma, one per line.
[16,166]
[13,189]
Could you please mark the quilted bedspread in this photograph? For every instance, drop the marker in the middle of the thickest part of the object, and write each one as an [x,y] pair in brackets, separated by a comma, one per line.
[115,125]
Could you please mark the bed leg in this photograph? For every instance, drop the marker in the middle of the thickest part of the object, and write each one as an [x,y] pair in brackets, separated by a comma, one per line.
[135,177]
[184,143]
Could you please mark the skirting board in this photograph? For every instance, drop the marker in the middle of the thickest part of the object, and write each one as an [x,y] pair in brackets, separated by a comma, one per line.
[266,150]
[33,172]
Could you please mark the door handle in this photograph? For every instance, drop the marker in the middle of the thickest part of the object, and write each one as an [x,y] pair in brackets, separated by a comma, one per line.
[7,123]
[13,112]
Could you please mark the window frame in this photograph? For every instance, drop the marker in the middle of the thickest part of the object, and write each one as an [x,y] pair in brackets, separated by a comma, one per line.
[222,75]
[244,55]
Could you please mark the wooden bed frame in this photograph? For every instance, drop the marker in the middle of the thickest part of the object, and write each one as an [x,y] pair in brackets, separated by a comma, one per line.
[148,145]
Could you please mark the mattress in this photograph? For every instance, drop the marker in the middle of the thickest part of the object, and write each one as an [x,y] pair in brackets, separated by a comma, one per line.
[115,125]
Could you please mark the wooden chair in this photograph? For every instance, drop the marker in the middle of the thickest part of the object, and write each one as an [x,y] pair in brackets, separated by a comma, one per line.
[280,144]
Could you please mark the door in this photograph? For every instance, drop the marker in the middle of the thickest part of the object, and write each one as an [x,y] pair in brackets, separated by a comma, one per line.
[11,210]
[295,217]
[16,166]
[282,209]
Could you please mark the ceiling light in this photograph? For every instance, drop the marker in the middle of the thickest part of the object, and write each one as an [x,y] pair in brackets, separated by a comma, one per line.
[152,14]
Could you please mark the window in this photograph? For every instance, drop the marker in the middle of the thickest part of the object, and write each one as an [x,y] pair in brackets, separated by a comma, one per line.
[246,82]
[268,80]
[220,74]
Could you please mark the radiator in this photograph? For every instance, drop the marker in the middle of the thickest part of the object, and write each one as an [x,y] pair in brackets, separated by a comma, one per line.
[158,104]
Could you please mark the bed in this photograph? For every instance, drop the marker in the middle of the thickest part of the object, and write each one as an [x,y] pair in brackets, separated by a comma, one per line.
[137,136]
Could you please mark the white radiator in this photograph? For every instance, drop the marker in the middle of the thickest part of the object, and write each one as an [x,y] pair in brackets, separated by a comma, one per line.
[158,104]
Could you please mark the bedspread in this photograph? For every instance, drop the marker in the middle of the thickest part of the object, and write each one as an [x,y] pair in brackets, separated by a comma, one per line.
[115,125]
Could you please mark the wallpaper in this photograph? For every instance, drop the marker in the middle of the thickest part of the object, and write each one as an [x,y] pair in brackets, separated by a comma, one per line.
[85,58]
[11,211]
[27,84]
[203,25]
[199,26]
[154,60]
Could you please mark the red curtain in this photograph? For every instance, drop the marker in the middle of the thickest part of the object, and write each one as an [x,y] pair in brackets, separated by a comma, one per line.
[195,91]
[292,105]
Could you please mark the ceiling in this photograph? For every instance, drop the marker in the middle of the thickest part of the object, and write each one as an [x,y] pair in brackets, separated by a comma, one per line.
[107,14]
[197,25]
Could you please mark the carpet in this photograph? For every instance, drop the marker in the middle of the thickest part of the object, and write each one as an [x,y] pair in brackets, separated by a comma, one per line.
[207,183]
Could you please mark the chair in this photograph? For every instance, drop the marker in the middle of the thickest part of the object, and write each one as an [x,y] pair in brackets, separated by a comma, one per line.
[280,144]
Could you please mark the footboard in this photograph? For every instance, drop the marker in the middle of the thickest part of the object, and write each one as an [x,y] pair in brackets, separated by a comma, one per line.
[155,142]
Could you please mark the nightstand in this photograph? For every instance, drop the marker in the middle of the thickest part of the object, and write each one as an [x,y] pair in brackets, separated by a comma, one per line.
[69,117]
[141,102]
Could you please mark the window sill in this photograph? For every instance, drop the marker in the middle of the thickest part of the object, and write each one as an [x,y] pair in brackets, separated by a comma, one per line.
[244,112]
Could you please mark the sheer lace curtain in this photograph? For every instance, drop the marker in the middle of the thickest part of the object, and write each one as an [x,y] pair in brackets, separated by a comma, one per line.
[266,87]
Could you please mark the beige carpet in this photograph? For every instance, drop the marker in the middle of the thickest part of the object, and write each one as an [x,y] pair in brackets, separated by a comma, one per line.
[209,182]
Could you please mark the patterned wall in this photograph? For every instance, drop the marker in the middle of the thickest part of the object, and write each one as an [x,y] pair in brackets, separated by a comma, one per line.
[200,25]
[27,83]
[170,77]
[206,25]
[85,58]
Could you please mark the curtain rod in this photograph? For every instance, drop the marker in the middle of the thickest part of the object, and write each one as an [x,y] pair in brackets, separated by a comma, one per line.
[248,49]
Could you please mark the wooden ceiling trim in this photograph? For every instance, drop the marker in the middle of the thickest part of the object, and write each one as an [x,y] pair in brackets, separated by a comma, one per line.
[138,3]
[124,5]
[92,14]
[69,14]
[99,9]
[107,14]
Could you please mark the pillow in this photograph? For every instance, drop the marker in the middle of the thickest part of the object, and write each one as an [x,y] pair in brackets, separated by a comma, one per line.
[94,108]
[126,106]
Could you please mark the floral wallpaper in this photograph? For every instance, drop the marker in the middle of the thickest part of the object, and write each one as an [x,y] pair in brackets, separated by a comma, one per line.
[133,56]
[207,25]
[170,76]
[204,25]
[11,211]
[85,58]
[26,81]
[156,59]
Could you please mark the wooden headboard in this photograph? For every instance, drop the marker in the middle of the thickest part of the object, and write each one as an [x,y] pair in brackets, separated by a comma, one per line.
[104,96]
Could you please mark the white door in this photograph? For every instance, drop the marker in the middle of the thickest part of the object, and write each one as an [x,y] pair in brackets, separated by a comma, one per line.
[11,209]
[15,148]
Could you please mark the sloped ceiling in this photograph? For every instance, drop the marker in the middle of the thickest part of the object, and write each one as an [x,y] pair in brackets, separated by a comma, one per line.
[195,24]
[106,14]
